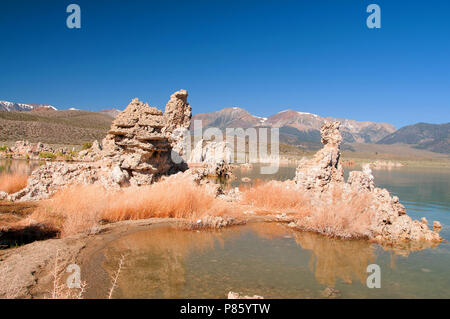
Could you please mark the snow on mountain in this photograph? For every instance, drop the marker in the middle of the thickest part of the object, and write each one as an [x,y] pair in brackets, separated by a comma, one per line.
[12,106]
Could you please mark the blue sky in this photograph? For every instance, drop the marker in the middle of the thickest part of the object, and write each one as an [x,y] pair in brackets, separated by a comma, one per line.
[265,56]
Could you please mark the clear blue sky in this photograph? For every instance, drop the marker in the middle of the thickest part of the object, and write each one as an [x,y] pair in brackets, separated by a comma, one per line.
[265,56]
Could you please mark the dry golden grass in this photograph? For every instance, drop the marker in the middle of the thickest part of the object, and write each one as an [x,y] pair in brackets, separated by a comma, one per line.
[274,195]
[80,208]
[13,182]
[335,214]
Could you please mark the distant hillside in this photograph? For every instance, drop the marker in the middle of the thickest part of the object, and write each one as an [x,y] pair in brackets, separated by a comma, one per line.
[297,128]
[54,127]
[12,106]
[111,112]
[432,137]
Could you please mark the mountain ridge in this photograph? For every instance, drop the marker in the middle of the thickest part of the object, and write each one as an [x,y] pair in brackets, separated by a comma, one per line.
[432,137]
[297,123]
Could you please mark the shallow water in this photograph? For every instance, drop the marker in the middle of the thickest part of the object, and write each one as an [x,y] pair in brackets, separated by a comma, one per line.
[273,261]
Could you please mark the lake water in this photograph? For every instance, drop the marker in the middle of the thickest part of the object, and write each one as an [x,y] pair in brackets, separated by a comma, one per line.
[274,261]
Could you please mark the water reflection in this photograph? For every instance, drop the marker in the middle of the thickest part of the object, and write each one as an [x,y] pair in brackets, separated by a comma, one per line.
[18,166]
[171,263]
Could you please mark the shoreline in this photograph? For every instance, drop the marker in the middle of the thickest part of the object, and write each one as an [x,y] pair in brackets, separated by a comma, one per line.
[31,267]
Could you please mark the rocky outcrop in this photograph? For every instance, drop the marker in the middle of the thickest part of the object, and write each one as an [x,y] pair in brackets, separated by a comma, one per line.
[324,168]
[212,158]
[136,144]
[136,151]
[322,175]
[27,150]
[211,152]
[49,178]
[177,117]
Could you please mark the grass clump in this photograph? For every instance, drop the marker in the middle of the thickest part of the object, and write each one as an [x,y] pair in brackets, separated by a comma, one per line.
[336,213]
[47,155]
[81,208]
[86,146]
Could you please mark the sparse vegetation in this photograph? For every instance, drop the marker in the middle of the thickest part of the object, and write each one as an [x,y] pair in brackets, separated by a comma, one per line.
[346,216]
[86,145]
[3,148]
[54,127]
[81,208]
[47,155]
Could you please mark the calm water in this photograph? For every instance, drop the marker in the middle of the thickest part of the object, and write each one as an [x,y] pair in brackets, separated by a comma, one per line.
[275,262]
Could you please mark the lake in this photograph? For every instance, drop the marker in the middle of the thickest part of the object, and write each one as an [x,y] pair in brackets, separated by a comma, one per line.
[273,261]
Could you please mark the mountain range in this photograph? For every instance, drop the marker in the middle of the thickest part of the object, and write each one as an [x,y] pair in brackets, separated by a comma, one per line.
[12,106]
[432,137]
[296,128]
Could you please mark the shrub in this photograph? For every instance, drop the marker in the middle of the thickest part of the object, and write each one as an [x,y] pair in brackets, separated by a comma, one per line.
[47,155]
[80,208]
[86,146]
[3,148]
[334,214]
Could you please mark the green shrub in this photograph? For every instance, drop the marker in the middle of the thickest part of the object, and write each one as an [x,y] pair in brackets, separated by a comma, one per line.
[86,146]
[47,155]
[3,148]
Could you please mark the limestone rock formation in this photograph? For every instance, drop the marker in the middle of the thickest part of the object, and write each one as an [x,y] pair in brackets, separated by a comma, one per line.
[49,178]
[178,112]
[324,168]
[212,158]
[136,151]
[136,144]
[211,152]
[323,174]
[177,116]
[27,150]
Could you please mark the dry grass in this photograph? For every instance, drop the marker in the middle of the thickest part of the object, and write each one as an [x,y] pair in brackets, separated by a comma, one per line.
[80,208]
[60,290]
[335,214]
[13,182]
[274,195]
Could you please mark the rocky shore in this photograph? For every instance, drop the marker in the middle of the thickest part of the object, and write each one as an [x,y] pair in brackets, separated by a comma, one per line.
[145,146]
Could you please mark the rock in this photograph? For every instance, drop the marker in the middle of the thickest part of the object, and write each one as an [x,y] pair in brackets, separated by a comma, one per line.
[437,225]
[424,220]
[214,159]
[27,150]
[246,179]
[324,168]
[3,195]
[330,292]
[136,151]
[178,112]
[322,175]
[138,140]
[119,176]
[177,116]
[211,152]
[362,180]
[235,295]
